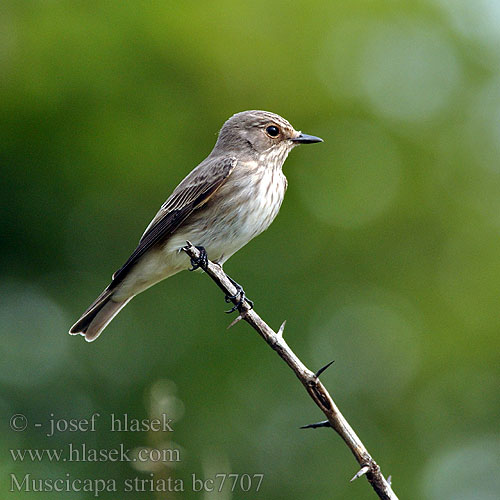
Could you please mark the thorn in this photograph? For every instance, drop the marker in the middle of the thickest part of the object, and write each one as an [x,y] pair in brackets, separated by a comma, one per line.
[361,472]
[282,329]
[323,423]
[321,370]
[235,320]
[389,480]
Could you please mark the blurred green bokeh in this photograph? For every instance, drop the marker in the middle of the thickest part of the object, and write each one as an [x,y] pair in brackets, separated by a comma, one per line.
[385,256]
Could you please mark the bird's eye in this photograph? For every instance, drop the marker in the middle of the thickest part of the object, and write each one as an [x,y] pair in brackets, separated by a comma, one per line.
[273,131]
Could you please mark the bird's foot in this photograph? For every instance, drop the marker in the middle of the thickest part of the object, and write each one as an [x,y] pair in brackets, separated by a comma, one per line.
[201,261]
[240,294]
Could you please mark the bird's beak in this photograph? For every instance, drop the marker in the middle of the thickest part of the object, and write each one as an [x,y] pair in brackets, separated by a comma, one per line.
[306,139]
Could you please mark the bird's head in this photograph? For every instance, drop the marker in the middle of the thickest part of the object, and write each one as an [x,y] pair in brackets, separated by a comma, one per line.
[255,133]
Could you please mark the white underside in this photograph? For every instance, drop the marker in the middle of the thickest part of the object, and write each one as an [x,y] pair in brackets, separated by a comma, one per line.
[231,225]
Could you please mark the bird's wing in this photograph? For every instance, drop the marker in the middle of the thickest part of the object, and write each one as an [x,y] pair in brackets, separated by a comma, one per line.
[192,193]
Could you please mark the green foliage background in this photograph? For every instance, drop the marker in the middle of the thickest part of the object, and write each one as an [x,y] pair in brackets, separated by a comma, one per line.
[385,256]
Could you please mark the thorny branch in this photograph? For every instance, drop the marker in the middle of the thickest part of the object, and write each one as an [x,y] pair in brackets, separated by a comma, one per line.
[309,379]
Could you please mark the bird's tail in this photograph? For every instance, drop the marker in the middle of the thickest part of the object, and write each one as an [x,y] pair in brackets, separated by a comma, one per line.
[95,319]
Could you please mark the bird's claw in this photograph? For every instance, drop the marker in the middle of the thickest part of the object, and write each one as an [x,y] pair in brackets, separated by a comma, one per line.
[201,261]
[242,297]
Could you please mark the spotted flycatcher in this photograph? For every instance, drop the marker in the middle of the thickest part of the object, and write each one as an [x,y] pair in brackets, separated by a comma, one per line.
[228,199]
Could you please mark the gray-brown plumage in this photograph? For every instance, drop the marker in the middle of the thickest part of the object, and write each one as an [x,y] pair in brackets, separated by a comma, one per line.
[228,199]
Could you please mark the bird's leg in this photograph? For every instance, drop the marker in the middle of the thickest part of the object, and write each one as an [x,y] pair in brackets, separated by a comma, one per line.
[239,292]
[201,261]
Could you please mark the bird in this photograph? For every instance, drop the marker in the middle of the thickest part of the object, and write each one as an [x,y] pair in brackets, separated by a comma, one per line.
[228,199]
